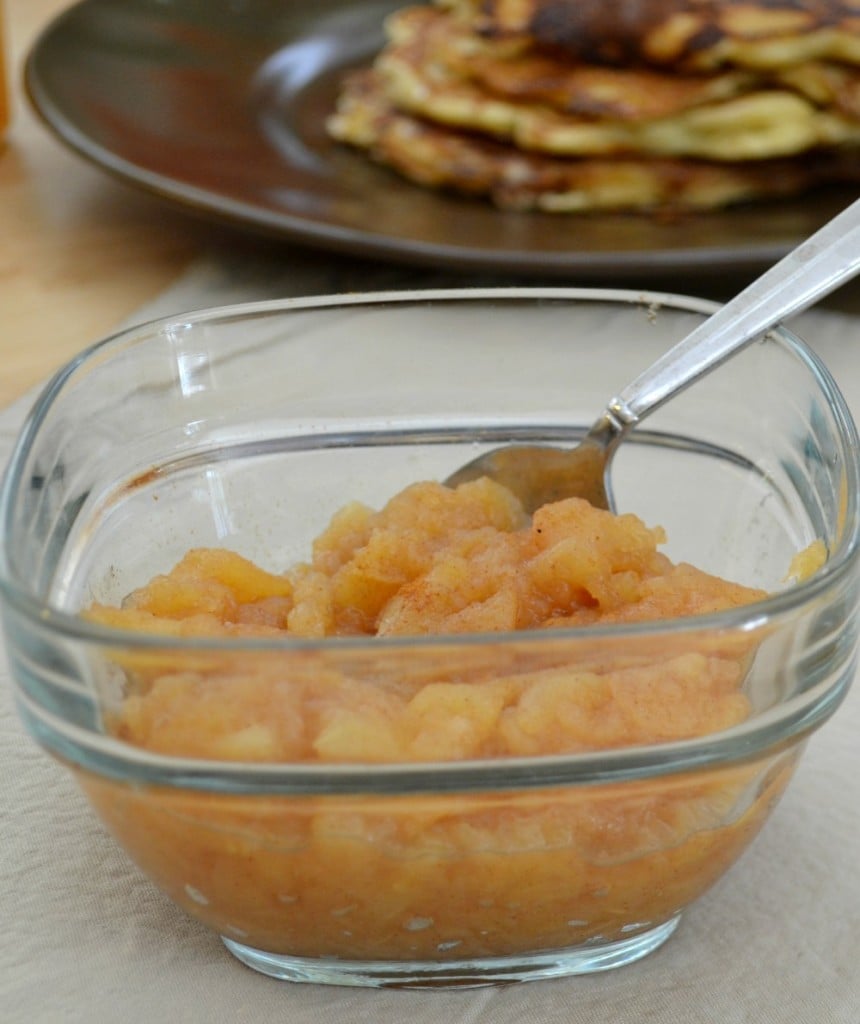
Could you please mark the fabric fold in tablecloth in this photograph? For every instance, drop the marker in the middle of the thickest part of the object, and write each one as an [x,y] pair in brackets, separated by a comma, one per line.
[86,938]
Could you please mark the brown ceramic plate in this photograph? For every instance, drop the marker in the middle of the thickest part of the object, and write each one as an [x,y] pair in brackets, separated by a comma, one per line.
[219,105]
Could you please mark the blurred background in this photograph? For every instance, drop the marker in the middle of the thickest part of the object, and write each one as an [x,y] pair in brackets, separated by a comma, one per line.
[83,252]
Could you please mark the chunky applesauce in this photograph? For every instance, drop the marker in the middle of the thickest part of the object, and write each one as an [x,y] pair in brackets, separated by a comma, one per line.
[438,876]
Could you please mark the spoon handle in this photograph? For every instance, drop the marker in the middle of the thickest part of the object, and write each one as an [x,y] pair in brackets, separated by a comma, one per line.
[811,271]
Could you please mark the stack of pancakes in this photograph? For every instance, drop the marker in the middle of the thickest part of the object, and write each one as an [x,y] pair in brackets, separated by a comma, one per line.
[579,105]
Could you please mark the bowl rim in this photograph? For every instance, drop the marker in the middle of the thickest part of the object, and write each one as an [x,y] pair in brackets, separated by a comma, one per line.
[778,727]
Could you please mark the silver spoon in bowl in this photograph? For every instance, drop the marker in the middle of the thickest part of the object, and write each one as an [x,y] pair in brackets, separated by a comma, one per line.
[539,474]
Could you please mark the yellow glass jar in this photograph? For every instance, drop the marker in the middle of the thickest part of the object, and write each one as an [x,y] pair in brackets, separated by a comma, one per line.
[5,108]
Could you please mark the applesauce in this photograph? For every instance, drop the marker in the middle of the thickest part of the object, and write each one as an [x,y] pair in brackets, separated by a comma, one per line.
[438,876]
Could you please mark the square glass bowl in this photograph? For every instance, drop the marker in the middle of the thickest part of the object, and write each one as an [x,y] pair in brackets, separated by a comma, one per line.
[247,428]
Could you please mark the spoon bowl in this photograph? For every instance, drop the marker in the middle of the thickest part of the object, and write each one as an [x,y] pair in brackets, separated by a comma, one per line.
[540,474]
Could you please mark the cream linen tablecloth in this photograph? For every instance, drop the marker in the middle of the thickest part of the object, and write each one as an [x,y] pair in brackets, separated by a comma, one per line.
[86,938]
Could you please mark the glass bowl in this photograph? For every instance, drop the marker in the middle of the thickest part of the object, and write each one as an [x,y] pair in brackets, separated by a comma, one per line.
[246,428]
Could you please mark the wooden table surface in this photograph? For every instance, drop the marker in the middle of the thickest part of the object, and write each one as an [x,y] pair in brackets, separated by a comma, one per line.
[78,251]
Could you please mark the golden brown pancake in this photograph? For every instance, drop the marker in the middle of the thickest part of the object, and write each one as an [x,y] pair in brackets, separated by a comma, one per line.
[519,69]
[579,105]
[442,48]
[440,157]
[432,69]
[680,34]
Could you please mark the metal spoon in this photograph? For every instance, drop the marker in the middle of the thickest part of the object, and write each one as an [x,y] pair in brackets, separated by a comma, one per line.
[538,474]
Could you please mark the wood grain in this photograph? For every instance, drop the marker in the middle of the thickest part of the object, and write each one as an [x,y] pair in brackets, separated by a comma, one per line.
[78,251]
